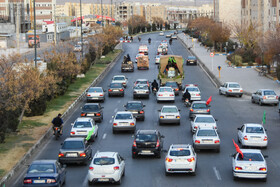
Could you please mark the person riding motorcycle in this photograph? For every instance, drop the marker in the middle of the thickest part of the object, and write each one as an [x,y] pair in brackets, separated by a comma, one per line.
[187,95]
[57,122]
[170,41]
[128,58]
[149,40]
[139,38]
[131,38]
[155,85]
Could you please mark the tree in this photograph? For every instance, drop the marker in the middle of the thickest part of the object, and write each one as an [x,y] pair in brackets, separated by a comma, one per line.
[154,28]
[160,27]
[136,23]
[157,21]
[149,28]
[219,34]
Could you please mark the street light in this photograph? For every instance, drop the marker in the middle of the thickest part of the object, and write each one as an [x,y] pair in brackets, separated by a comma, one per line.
[35,42]
[81,28]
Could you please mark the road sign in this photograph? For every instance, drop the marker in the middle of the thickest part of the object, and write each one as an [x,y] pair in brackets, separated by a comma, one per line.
[219,68]
[212,54]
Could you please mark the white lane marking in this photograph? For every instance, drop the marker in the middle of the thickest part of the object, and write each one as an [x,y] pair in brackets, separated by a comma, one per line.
[104,136]
[274,163]
[217,173]
[115,110]
[85,180]
[110,121]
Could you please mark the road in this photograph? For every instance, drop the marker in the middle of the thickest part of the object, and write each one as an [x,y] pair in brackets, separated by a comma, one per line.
[213,169]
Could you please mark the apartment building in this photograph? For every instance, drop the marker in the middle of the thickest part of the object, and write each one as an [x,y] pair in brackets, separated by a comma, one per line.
[123,11]
[155,10]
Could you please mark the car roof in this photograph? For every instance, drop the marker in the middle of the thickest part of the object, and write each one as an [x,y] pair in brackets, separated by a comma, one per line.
[232,82]
[195,102]
[141,80]
[84,119]
[176,146]
[123,112]
[251,151]
[96,87]
[119,76]
[107,154]
[134,101]
[44,162]
[204,115]
[74,139]
[147,131]
[169,106]
[191,57]
[166,87]
[92,104]
[266,89]
[171,82]
[253,125]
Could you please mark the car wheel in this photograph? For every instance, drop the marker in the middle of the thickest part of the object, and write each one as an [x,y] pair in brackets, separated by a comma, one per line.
[159,123]
[264,180]
[179,123]
[158,155]
[122,95]
[123,174]
[260,102]
[235,178]
[119,181]
[227,94]
[143,119]
[173,101]
[102,101]
[109,95]
[157,101]
[167,173]
[193,173]
[240,95]
[252,100]
[134,97]
[220,93]
[114,132]
[90,183]
[218,150]
[238,140]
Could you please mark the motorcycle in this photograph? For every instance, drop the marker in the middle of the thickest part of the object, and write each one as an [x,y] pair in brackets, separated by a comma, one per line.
[170,42]
[139,39]
[56,132]
[187,103]
[154,90]
[149,41]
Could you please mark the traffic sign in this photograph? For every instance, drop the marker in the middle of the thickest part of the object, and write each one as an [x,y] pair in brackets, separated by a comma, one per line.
[219,68]
[212,54]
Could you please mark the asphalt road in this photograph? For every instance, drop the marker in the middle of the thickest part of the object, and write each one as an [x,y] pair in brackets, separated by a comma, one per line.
[213,169]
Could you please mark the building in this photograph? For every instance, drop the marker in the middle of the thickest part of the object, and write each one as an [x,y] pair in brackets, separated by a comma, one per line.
[155,10]
[123,11]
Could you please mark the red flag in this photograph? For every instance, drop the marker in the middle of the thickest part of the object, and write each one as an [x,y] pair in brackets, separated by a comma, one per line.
[209,100]
[237,148]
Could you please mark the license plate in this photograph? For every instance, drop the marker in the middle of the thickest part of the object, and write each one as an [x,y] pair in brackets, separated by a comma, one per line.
[72,155]
[115,90]
[235,90]
[81,133]
[123,124]
[90,114]
[142,92]
[146,151]
[180,160]
[192,94]
[134,112]
[207,141]
[39,181]
[103,180]
[169,116]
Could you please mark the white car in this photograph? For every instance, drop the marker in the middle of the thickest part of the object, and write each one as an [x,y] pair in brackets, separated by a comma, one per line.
[181,158]
[252,135]
[164,43]
[143,49]
[165,94]
[231,88]
[264,96]
[95,94]
[252,165]
[161,33]
[203,121]
[124,121]
[194,92]
[157,61]
[169,114]
[106,167]
[120,79]
[174,36]
[82,126]
[206,138]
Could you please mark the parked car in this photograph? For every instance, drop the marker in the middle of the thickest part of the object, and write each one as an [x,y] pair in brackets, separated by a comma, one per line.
[191,60]
[74,150]
[169,114]
[253,135]
[203,121]
[116,89]
[136,108]
[181,158]
[174,86]
[120,79]
[265,96]
[82,126]
[95,94]
[231,89]
[124,121]
[93,110]
[198,107]
[140,91]
[45,173]
[194,91]
[147,142]
[206,138]
[106,167]
[165,94]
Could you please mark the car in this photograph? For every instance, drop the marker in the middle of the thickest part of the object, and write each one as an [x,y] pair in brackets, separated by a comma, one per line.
[93,110]
[161,33]
[168,35]
[203,121]
[45,173]
[199,107]
[264,96]
[106,167]
[85,42]
[252,165]
[165,94]
[77,48]
[253,135]
[157,61]
[136,108]
[174,86]
[169,114]
[174,36]
[164,43]
[163,50]
[194,92]
[231,89]
[74,150]
[137,56]
[181,158]
[142,81]
[191,60]
[143,49]
[206,138]
[147,142]
[141,90]
[116,89]
[120,79]
[83,126]
[124,121]
[95,94]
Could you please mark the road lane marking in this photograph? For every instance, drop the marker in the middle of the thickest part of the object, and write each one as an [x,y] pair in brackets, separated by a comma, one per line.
[110,121]
[104,136]
[85,181]
[217,173]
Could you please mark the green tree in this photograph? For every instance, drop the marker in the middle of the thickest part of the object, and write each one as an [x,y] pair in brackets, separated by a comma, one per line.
[154,28]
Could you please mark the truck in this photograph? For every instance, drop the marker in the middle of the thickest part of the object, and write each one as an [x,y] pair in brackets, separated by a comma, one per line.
[171,69]
[31,41]
[143,62]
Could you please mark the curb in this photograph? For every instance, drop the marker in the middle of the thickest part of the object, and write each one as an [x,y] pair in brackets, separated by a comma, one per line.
[48,134]
[216,82]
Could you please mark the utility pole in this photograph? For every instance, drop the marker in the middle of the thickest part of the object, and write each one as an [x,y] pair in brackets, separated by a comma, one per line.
[35,42]
[102,12]
[54,18]
[18,25]
[111,9]
[81,28]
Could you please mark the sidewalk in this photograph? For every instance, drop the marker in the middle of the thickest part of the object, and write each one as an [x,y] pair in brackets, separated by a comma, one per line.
[248,78]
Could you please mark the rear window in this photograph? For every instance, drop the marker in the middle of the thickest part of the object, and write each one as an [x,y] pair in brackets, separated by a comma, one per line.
[91,107]
[146,137]
[269,93]
[95,90]
[82,124]
[116,85]
[133,106]
[165,90]
[254,130]
[104,161]
[169,110]
[41,168]
[123,116]
[234,86]
[118,78]
[180,153]
[199,106]
[141,87]
[171,84]
[191,58]
[141,82]
[250,157]
[73,145]
[204,120]
[206,133]
[193,89]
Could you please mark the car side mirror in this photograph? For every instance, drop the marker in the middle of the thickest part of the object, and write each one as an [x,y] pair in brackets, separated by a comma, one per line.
[179,110]
[113,116]
[216,119]
[164,151]
[159,110]
[124,105]
[265,156]
[144,105]
[239,129]
[222,85]
[102,107]
[209,105]
[265,129]
[232,155]
[104,90]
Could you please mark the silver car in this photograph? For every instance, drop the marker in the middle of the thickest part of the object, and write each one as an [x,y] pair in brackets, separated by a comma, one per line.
[203,121]
[141,90]
[199,107]
[124,121]
[264,96]
[206,138]
[120,79]
[95,94]
[169,114]
[165,94]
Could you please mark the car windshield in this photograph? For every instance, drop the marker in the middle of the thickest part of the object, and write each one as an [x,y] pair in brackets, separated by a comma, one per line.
[123,116]
[171,84]
[146,137]
[234,86]
[104,161]
[165,90]
[41,168]
[141,87]
[134,106]
[119,78]
[193,89]
[169,110]
[191,58]
[95,90]
[116,85]
[204,120]
[91,108]
[73,145]
[82,124]
[199,106]
[270,92]
[250,157]
[183,152]
[254,130]
[207,132]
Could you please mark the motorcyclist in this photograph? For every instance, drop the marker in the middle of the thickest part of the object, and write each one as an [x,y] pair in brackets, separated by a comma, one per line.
[149,40]
[155,85]
[128,58]
[139,38]
[57,122]
[170,41]
[131,38]
[187,95]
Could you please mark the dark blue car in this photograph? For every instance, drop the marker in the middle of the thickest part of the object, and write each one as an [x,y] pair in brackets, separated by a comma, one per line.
[45,173]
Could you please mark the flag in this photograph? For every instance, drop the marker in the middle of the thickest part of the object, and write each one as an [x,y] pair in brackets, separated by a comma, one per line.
[90,133]
[237,148]
[209,100]
[264,118]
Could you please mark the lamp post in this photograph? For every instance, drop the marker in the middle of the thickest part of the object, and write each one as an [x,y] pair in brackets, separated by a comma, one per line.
[81,29]
[102,13]
[35,42]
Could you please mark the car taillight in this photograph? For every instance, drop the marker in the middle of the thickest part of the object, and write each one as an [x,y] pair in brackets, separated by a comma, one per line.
[215,127]
[265,138]
[195,127]
[161,117]
[141,112]
[72,132]
[169,159]
[264,97]
[171,95]
[123,83]
[147,91]
[178,117]
[241,90]
[88,95]
[131,124]
[110,90]
[27,181]
[208,110]
[197,141]
[98,114]
[217,141]
[116,168]
[60,155]
[83,155]
[191,159]
[191,110]
[238,168]
[91,168]
[276,97]
[49,181]
[121,90]
[197,94]
[160,94]
[115,124]
[230,90]
[245,138]
[157,143]
[134,144]
[101,95]
[83,114]
[262,169]
[176,89]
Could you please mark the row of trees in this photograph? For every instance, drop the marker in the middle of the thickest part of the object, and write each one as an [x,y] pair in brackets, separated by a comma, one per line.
[25,91]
